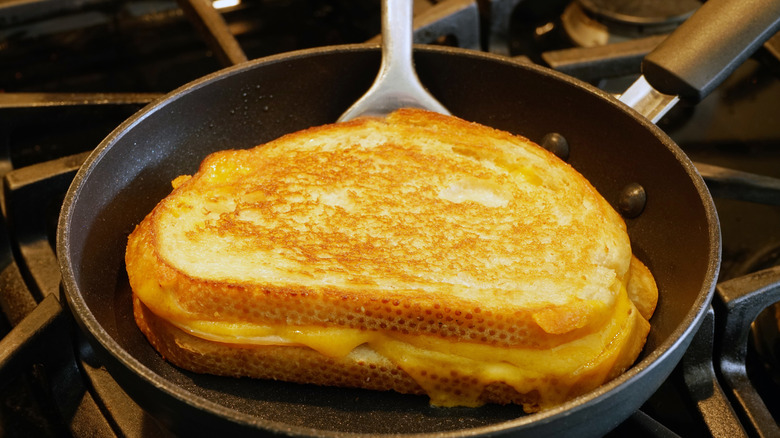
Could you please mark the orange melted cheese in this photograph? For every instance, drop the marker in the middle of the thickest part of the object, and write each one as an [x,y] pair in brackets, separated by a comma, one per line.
[557,374]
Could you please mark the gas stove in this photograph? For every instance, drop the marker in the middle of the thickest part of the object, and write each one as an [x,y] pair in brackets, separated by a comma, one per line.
[74,70]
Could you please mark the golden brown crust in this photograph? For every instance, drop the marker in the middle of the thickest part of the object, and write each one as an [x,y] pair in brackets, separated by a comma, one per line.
[462,269]
[418,225]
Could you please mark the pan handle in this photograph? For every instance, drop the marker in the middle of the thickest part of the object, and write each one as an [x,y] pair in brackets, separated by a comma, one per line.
[701,53]
[709,46]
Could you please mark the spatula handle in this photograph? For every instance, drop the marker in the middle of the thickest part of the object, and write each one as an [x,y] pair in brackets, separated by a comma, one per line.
[397,34]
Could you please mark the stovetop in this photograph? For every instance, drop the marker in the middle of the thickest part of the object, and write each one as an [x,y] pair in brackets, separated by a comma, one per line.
[74,70]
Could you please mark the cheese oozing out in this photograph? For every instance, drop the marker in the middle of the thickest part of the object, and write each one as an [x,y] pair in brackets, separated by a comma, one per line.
[556,374]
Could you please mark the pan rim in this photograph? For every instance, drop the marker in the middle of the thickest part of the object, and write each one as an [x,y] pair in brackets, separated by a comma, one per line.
[671,346]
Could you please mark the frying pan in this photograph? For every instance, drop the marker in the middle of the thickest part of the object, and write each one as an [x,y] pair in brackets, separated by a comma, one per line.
[676,235]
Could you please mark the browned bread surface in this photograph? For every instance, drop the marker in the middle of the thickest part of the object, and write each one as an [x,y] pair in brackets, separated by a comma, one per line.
[421,224]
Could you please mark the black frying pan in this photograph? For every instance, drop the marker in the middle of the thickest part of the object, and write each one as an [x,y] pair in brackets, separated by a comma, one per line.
[677,234]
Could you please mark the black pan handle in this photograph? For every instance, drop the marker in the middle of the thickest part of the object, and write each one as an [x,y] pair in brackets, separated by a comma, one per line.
[710,45]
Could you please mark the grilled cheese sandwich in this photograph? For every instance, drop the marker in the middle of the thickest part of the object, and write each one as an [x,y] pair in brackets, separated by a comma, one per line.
[369,253]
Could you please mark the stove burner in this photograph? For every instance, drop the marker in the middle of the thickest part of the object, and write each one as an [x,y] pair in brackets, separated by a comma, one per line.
[641,12]
[599,22]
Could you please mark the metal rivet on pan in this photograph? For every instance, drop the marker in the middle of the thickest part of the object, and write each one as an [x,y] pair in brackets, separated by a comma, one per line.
[557,144]
[632,200]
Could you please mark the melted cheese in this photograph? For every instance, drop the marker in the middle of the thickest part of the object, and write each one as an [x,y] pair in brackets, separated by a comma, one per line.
[556,374]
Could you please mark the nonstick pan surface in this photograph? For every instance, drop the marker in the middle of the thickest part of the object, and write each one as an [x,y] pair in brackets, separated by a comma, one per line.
[677,234]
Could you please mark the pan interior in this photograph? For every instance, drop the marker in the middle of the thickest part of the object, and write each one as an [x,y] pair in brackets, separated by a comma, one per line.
[262,100]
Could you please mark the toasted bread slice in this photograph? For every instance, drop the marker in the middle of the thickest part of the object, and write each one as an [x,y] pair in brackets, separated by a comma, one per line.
[420,238]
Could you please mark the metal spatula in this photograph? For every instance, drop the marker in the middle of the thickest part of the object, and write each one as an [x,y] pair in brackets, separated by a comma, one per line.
[397,85]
